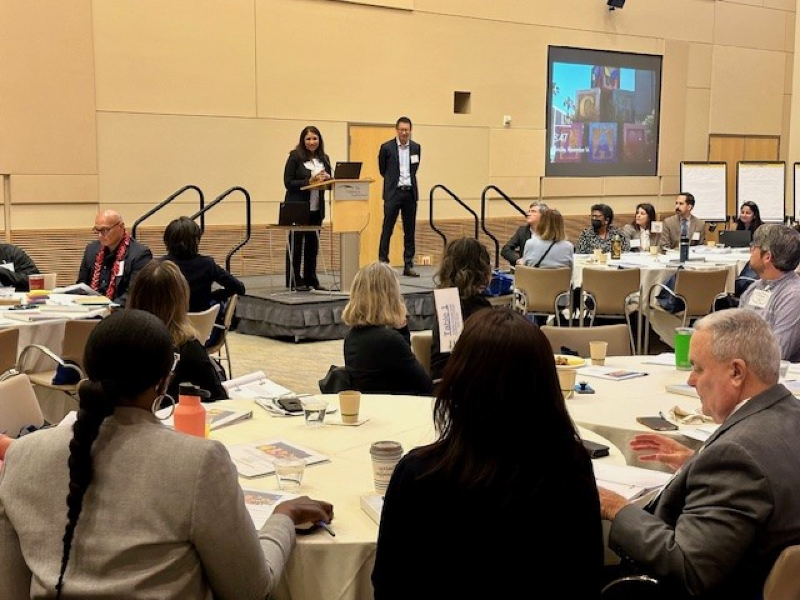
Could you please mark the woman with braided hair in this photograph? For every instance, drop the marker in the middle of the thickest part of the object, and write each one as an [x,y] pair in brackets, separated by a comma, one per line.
[151,512]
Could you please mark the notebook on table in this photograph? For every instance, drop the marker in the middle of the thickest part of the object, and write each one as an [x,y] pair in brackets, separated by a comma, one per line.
[347,170]
[294,213]
[736,238]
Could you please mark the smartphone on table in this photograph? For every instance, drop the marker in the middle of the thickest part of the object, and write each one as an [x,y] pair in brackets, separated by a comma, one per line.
[657,423]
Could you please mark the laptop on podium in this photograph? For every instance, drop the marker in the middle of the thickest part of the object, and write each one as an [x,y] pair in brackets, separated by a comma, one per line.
[347,170]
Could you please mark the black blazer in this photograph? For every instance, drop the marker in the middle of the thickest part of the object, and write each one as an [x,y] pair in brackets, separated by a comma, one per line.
[389,166]
[514,247]
[136,257]
[296,175]
[201,273]
[23,266]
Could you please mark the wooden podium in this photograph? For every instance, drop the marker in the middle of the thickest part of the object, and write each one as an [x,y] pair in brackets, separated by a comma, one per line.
[349,216]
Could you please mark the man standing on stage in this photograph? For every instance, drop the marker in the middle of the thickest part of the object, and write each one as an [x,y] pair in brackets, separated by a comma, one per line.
[398,161]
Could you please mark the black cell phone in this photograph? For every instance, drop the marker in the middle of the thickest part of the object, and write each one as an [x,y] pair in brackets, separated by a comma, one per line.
[23,307]
[290,404]
[594,449]
[657,423]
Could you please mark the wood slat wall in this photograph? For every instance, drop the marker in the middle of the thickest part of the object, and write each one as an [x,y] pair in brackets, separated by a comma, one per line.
[60,250]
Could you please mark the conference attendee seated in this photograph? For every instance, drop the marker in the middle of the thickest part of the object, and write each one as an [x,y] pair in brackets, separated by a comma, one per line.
[550,248]
[514,247]
[774,256]
[683,224]
[120,506]
[639,231]
[15,267]
[454,505]
[161,289]
[182,241]
[110,264]
[749,217]
[602,233]
[718,525]
[467,267]
[377,349]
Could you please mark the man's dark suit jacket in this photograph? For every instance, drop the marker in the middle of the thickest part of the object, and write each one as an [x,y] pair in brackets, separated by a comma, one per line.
[389,166]
[23,266]
[512,251]
[137,256]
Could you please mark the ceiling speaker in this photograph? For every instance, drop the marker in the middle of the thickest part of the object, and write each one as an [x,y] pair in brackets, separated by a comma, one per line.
[615,4]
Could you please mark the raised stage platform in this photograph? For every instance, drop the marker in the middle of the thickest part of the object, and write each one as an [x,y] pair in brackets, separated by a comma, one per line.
[269,309]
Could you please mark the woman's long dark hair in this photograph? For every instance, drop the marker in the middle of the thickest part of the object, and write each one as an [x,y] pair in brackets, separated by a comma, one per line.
[465,265]
[646,207]
[127,353]
[756,222]
[500,379]
[303,152]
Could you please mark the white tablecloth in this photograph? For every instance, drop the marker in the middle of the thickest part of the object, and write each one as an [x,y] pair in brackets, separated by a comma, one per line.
[339,568]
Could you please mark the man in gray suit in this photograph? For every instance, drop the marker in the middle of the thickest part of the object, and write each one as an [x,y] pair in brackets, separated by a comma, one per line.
[718,525]
[683,224]
[398,162]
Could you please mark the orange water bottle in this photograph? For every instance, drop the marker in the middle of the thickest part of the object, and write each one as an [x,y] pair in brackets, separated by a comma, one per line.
[190,415]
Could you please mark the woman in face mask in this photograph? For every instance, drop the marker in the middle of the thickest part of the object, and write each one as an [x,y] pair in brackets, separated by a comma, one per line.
[601,233]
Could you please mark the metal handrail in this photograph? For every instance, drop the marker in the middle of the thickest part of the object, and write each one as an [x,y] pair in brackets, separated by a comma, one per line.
[219,199]
[483,218]
[457,199]
[169,199]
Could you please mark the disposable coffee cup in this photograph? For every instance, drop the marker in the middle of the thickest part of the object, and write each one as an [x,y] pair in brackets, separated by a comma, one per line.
[785,368]
[385,456]
[597,352]
[683,336]
[597,253]
[36,282]
[566,381]
[349,406]
[654,250]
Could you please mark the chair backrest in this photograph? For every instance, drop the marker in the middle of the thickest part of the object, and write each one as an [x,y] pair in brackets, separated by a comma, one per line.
[19,405]
[227,320]
[699,288]
[578,338]
[76,333]
[610,288]
[542,287]
[9,343]
[204,322]
[784,577]
[421,342]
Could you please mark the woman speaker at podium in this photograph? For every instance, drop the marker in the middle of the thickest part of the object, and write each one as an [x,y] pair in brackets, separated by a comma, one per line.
[307,164]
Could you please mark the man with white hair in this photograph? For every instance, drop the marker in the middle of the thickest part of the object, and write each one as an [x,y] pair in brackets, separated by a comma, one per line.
[774,256]
[718,525]
[110,263]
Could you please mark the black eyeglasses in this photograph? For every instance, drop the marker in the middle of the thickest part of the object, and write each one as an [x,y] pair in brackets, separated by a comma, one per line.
[104,230]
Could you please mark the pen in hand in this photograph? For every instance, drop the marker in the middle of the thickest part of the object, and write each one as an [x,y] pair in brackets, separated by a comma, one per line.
[327,528]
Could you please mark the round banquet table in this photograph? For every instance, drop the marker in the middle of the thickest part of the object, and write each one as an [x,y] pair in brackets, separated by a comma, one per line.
[333,568]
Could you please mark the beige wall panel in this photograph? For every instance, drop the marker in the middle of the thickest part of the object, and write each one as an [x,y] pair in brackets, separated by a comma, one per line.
[522,190]
[673,107]
[190,56]
[785,127]
[670,186]
[145,158]
[700,65]
[698,105]
[788,45]
[58,216]
[559,187]
[747,91]
[788,5]
[663,19]
[515,152]
[46,87]
[457,158]
[789,74]
[630,186]
[766,27]
[405,4]
[48,189]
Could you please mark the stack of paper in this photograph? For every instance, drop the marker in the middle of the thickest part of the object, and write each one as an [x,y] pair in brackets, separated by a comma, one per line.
[684,389]
[612,373]
[261,503]
[254,385]
[627,481]
[372,504]
[255,459]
